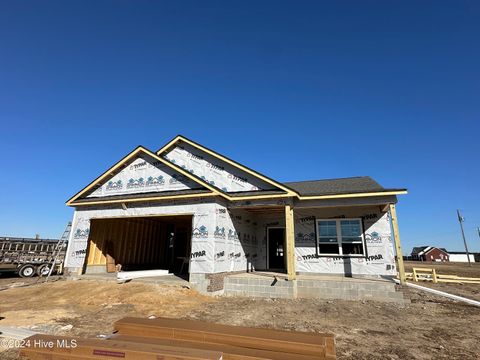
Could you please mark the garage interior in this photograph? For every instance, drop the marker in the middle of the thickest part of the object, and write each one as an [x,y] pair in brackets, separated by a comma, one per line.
[141,243]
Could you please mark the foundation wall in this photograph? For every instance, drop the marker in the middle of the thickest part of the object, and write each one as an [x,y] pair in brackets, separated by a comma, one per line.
[334,289]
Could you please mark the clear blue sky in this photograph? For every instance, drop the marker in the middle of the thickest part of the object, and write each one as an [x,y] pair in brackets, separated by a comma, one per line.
[296,90]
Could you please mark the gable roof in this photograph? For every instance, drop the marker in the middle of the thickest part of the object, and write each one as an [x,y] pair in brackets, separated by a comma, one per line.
[304,190]
[179,138]
[118,166]
[423,250]
[351,185]
[416,250]
[426,251]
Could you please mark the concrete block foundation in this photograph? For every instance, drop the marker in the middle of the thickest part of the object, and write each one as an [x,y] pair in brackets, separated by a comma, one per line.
[333,288]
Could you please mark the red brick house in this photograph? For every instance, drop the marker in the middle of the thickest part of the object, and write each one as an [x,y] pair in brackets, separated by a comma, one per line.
[430,253]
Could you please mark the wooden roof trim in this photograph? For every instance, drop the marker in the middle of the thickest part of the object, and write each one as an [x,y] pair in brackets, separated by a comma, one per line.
[228,161]
[143,199]
[135,152]
[353,195]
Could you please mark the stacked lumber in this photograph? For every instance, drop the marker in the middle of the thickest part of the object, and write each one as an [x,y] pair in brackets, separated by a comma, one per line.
[163,338]
[52,347]
[235,342]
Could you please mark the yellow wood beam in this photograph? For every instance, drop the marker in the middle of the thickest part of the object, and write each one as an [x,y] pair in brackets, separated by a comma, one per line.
[153,198]
[355,195]
[213,191]
[98,241]
[398,245]
[103,258]
[228,161]
[186,196]
[290,242]
[139,150]
[168,145]
[92,249]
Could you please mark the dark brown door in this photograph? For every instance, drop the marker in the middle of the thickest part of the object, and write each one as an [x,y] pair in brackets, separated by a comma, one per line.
[276,248]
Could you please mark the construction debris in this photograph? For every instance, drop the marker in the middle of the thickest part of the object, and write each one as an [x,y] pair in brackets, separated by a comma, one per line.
[129,275]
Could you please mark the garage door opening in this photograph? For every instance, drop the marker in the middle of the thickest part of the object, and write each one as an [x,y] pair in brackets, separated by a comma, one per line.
[141,243]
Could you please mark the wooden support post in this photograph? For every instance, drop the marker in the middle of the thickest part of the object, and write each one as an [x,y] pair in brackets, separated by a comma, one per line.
[398,245]
[290,242]
[434,276]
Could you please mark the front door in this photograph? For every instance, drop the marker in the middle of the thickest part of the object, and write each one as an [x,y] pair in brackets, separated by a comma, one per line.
[276,248]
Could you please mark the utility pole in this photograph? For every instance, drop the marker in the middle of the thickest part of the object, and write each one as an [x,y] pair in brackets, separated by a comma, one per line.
[461,219]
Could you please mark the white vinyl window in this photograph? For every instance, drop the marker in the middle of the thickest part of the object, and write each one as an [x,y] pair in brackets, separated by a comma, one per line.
[340,237]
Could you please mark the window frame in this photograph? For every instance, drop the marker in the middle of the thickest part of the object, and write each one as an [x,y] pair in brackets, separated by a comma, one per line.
[340,238]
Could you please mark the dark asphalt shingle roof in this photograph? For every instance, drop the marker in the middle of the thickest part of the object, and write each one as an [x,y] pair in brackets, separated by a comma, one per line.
[418,249]
[352,185]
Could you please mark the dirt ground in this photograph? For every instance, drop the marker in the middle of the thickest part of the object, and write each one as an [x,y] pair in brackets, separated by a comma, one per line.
[447,268]
[428,328]
[471,291]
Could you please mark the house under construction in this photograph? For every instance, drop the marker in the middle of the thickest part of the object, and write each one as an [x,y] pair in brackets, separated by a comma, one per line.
[201,215]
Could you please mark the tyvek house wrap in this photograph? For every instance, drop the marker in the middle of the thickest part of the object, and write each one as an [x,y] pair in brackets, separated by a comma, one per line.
[379,259]
[142,175]
[214,171]
[203,227]
[226,240]
[236,243]
[222,241]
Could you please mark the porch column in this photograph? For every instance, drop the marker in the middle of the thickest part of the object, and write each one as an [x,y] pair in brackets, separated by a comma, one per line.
[290,242]
[398,245]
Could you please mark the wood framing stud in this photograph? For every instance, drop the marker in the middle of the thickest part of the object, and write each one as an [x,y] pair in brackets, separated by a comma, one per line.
[398,245]
[290,242]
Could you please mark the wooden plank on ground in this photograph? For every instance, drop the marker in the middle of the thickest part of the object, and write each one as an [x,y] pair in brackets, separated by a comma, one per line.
[102,349]
[229,352]
[254,338]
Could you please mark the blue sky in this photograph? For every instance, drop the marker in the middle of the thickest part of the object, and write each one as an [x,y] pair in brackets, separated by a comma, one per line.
[296,90]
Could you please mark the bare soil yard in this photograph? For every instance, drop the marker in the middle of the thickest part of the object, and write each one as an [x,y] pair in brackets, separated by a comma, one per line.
[428,328]
[471,291]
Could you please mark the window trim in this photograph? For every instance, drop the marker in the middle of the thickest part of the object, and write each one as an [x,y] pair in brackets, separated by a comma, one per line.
[340,238]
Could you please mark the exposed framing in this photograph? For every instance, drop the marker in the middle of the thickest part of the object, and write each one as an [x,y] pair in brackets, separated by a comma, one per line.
[290,241]
[398,244]
[94,255]
[340,237]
